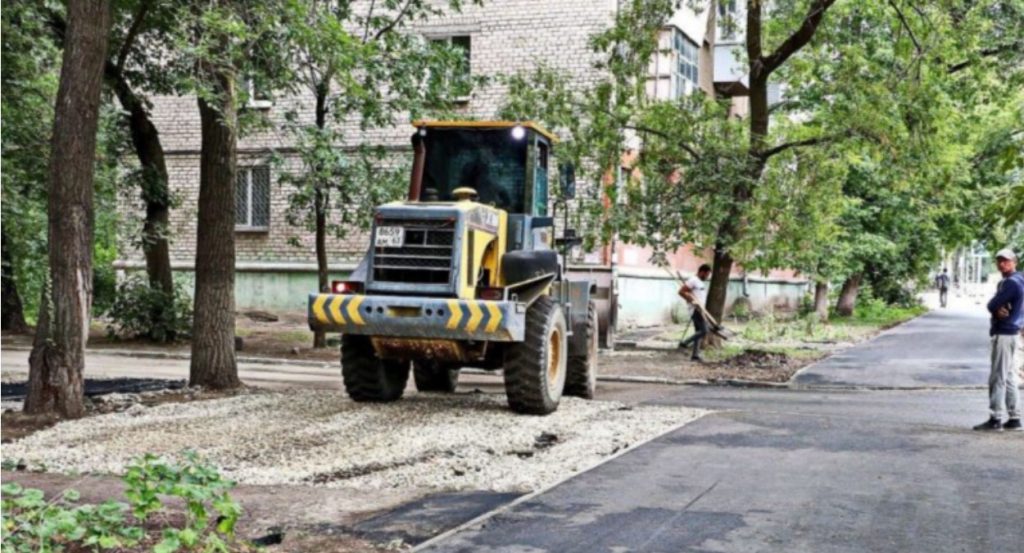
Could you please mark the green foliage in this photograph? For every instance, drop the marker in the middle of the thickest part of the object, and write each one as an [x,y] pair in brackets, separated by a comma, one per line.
[359,65]
[202,489]
[32,524]
[899,123]
[140,310]
[876,312]
[29,81]
[31,62]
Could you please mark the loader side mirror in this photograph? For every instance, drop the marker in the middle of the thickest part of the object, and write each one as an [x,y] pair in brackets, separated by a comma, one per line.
[567,176]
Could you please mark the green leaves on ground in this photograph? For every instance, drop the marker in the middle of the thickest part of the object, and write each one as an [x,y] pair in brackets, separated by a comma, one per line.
[30,523]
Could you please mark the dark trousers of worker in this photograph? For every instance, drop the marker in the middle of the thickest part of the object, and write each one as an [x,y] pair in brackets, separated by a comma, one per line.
[700,329]
[943,294]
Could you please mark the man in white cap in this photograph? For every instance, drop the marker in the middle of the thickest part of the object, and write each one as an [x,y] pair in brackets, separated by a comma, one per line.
[1007,309]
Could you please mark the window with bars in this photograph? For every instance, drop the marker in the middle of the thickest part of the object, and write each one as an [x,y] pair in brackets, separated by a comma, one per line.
[252,198]
[673,69]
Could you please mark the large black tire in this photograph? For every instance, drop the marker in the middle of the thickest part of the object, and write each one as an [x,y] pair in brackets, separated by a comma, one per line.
[535,368]
[431,376]
[581,378]
[368,377]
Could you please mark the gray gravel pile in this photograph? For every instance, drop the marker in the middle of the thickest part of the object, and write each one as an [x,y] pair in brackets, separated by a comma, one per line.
[465,441]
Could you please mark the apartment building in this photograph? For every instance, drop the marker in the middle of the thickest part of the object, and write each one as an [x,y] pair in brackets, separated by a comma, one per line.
[276,263]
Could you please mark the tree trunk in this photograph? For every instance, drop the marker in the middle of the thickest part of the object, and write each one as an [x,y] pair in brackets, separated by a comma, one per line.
[718,291]
[58,352]
[150,152]
[213,334]
[13,318]
[848,295]
[821,300]
[319,336]
[320,205]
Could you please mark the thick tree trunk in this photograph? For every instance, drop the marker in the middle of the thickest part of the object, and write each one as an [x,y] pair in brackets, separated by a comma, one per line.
[721,269]
[58,352]
[848,295]
[13,317]
[150,152]
[821,300]
[320,206]
[213,336]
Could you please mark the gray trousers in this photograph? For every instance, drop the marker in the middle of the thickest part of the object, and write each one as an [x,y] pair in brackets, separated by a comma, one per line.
[1003,382]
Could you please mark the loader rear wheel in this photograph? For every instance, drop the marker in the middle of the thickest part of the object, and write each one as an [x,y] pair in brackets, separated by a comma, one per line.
[581,378]
[535,368]
[432,376]
[368,377]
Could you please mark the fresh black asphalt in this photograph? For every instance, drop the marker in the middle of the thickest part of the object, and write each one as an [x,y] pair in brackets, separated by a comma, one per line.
[837,469]
[942,348]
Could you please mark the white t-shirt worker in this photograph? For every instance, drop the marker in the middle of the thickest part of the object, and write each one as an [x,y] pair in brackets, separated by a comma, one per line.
[693,292]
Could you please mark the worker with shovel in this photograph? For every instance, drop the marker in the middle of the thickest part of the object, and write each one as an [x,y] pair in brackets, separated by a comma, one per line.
[692,291]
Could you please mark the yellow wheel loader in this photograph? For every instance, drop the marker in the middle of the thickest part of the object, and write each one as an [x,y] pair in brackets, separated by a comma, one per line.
[467,272]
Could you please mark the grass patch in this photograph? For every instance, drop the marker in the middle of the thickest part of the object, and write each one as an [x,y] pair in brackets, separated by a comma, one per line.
[776,332]
[877,314]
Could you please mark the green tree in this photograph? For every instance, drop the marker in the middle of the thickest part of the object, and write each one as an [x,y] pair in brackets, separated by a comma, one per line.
[881,94]
[31,64]
[362,67]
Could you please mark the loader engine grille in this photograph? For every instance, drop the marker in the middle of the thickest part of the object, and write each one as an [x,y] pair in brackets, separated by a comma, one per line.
[424,257]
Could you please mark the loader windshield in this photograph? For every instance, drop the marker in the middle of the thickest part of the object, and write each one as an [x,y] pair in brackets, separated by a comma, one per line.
[491,161]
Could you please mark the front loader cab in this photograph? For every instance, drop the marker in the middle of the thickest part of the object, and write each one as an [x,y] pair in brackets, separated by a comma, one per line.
[505,162]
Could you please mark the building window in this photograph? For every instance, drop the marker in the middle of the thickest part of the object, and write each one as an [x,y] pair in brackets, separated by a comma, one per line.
[252,198]
[256,95]
[728,20]
[673,70]
[463,84]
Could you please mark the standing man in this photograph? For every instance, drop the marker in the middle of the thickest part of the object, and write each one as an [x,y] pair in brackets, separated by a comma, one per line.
[1007,309]
[693,292]
[942,283]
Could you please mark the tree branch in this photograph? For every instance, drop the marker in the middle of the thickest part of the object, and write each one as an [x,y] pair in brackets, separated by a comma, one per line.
[686,147]
[988,52]
[801,143]
[369,18]
[797,40]
[398,18]
[903,21]
[133,32]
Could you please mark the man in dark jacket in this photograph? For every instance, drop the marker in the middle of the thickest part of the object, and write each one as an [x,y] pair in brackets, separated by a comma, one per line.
[1007,309]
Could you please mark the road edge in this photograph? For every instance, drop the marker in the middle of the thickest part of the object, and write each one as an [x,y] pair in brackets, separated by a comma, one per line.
[527,497]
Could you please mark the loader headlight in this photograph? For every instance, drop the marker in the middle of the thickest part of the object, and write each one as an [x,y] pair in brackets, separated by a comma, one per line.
[518,132]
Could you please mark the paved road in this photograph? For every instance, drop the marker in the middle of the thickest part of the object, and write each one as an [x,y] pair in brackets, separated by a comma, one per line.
[942,348]
[802,470]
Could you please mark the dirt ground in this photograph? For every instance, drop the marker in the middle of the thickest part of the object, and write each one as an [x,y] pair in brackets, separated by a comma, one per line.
[749,365]
[316,519]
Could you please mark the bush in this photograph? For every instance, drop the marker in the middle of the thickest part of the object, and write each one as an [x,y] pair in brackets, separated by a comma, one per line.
[141,311]
[30,523]
[742,309]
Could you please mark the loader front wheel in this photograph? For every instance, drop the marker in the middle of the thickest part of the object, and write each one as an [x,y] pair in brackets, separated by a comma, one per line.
[367,377]
[432,376]
[535,369]
[581,379]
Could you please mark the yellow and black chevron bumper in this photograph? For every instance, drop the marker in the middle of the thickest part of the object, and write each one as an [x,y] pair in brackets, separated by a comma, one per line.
[410,317]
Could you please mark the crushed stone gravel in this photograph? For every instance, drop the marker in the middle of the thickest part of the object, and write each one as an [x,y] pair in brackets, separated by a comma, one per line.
[321,438]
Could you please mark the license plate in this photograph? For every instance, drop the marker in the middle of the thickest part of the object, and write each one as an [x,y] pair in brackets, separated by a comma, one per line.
[390,237]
